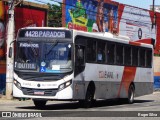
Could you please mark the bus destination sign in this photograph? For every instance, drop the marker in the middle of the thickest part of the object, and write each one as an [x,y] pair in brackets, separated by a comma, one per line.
[45,33]
[26,66]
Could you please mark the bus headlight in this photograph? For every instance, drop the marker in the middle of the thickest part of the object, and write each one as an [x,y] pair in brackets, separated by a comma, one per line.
[64,85]
[17,84]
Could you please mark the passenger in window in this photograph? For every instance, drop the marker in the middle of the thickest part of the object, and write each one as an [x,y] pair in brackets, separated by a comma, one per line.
[99,55]
[62,55]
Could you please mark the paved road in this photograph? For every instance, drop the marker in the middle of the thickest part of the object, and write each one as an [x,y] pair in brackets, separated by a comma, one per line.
[145,106]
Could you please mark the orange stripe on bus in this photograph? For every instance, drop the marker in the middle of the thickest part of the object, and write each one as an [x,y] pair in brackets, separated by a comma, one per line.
[127,78]
[134,43]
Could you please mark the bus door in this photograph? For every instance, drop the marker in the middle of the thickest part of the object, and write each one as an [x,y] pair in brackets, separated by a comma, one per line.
[79,72]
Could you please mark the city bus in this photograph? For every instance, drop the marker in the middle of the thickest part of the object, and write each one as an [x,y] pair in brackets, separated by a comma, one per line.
[64,64]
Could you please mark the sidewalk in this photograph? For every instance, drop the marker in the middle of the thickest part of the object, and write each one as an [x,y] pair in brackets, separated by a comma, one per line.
[2,97]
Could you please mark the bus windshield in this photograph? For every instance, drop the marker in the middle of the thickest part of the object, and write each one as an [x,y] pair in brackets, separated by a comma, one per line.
[57,57]
[50,57]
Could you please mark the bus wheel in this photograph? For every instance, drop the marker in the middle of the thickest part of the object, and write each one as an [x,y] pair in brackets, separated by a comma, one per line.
[39,103]
[89,97]
[131,93]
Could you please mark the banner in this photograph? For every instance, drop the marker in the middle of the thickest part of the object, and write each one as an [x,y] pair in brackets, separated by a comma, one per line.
[136,23]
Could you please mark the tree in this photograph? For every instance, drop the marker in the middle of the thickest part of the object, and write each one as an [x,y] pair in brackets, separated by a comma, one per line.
[55,15]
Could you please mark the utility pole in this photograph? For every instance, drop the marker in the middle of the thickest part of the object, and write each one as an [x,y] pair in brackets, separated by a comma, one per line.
[153,5]
[154,17]
[9,57]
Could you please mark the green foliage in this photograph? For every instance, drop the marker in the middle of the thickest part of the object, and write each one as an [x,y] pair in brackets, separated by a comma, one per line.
[55,15]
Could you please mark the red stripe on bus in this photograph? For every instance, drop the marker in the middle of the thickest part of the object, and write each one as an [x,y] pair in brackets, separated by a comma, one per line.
[134,43]
[127,78]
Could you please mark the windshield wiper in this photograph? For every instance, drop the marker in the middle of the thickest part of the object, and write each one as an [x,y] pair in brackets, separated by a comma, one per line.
[50,49]
[33,49]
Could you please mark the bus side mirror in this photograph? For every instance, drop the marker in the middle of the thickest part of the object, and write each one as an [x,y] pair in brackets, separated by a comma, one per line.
[10,52]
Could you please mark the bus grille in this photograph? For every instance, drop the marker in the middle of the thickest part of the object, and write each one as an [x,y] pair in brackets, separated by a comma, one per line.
[47,92]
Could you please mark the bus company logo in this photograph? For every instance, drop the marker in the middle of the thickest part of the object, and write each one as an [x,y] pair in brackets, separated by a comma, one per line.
[38,85]
[6,114]
[106,74]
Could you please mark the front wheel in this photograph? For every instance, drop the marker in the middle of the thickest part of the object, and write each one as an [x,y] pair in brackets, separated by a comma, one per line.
[87,102]
[39,103]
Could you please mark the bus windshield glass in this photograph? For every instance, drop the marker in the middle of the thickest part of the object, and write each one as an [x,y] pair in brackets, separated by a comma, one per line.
[27,52]
[48,57]
[57,57]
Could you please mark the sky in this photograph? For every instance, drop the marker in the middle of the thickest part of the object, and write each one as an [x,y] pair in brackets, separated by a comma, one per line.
[138,3]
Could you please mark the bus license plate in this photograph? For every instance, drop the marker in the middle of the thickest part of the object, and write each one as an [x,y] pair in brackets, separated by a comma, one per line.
[38,92]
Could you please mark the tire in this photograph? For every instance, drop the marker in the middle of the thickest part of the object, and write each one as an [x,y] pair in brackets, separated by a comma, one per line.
[39,103]
[131,94]
[87,103]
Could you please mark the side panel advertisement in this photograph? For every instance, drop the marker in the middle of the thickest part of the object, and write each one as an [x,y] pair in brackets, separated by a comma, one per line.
[91,15]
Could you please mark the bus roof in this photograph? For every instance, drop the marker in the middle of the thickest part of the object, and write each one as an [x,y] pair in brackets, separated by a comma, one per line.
[111,37]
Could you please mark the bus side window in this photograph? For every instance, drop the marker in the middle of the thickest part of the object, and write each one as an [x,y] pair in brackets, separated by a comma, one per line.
[119,54]
[99,55]
[142,57]
[101,52]
[134,56]
[111,53]
[127,55]
[91,50]
[148,58]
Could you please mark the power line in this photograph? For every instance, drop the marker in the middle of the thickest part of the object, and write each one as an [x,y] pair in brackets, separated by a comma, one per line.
[93,12]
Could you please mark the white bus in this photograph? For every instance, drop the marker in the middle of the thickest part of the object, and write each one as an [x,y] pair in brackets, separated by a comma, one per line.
[63,64]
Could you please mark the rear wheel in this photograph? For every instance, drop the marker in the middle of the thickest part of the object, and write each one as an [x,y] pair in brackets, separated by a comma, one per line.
[39,103]
[131,93]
